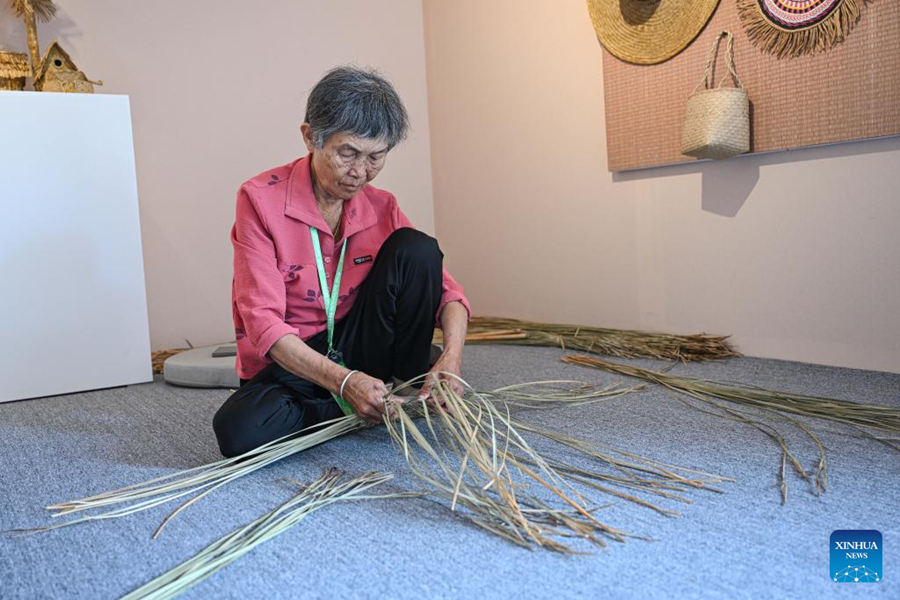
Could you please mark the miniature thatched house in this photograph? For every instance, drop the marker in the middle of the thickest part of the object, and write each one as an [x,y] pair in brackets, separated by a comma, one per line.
[14,69]
[57,73]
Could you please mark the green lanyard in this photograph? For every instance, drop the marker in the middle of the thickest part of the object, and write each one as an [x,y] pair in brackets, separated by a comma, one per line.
[330,298]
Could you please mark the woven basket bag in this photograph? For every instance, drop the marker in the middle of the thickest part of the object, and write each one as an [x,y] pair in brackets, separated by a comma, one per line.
[717,119]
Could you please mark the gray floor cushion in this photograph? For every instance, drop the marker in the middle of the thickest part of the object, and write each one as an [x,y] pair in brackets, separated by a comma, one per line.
[200,368]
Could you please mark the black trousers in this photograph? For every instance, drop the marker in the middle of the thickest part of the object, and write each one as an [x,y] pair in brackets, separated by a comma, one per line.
[386,334]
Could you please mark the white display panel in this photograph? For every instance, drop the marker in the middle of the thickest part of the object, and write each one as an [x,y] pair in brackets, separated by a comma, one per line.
[73,306]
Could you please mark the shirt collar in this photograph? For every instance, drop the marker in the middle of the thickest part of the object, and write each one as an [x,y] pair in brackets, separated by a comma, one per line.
[301,203]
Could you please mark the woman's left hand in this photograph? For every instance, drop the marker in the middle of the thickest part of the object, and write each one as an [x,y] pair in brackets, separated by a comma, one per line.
[454,319]
[448,362]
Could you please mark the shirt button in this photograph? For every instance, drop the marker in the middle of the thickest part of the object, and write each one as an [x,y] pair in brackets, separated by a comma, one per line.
[328,259]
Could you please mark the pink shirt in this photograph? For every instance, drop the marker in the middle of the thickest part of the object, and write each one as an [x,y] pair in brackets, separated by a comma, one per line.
[276,286]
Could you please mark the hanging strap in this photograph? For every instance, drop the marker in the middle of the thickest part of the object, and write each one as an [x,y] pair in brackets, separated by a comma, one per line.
[330,299]
[708,75]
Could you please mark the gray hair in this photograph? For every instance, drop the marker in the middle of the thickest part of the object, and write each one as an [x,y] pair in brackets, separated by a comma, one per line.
[358,102]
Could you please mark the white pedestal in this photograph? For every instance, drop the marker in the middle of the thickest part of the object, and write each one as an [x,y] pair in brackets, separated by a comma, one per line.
[73,307]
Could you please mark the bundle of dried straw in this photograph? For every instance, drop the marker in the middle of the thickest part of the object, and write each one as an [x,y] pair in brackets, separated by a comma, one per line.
[158,358]
[598,340]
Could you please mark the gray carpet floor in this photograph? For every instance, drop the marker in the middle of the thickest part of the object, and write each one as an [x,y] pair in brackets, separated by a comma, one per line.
[739,544]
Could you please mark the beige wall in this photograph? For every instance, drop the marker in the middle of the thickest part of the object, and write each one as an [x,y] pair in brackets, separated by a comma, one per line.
[795,254]
[217,92]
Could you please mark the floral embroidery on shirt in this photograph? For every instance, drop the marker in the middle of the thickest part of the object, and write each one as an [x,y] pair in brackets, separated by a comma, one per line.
[349,293]
[291,272]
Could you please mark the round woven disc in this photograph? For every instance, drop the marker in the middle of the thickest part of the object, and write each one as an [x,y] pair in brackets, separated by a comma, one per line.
[797,14]
[647,32]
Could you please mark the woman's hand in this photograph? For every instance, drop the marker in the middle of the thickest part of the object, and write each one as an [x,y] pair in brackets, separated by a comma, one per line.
[448,362]
[366,395]
[454,320]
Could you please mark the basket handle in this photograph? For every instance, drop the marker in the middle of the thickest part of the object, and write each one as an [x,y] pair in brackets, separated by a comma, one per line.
[707,81]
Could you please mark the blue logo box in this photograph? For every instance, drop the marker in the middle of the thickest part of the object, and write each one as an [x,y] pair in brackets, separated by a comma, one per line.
[856,556]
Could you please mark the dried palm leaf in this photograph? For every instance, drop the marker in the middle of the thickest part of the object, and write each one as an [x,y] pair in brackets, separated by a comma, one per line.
[556,392]
[470,452]
[43,9]
[466,429]
[783,407]
[325,490]
[883,418]
[615,342]
[194,484]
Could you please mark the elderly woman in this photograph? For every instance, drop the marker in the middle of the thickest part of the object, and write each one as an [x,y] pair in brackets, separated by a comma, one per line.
[334,291]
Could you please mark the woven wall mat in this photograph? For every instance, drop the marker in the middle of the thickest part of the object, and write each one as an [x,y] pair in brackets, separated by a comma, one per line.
[851,91]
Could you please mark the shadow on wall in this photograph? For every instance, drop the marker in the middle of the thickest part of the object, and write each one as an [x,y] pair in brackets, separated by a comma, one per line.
[61,28]
[728,183]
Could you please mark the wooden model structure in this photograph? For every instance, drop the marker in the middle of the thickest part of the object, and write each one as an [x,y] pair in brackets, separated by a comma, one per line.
[13,70]
[57,73]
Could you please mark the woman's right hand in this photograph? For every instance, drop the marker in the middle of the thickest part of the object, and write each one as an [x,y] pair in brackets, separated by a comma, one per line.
[366,395]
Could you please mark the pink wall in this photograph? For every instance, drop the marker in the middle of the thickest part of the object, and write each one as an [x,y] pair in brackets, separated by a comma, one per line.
[218,90]
[795,254]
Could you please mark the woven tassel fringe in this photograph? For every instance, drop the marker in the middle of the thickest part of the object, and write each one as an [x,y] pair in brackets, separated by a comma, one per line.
[784,43]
